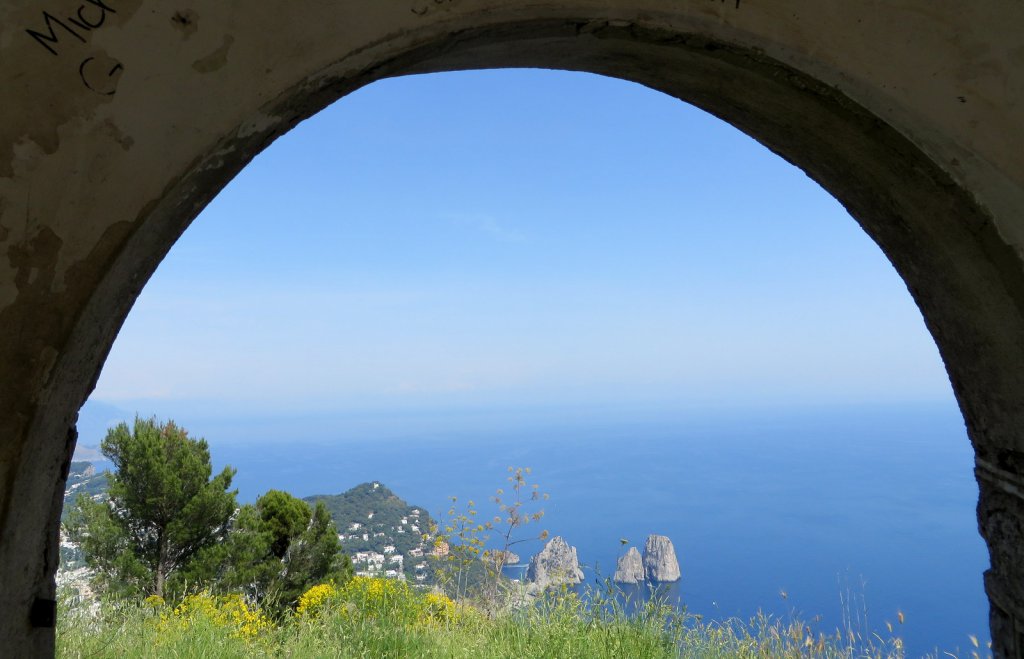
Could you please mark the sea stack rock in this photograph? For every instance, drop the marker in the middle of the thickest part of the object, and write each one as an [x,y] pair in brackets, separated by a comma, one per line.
[497,557]
[629,568]
[660,563]
[556,564]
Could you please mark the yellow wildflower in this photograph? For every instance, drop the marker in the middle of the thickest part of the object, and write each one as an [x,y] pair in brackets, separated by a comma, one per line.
[313,600]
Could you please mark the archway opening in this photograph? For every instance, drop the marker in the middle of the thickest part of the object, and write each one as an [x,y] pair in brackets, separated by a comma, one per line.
[667,236]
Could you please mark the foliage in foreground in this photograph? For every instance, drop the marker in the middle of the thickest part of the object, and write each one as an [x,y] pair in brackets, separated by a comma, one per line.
[467,571]
[369,617]
[169,528]
[274,551]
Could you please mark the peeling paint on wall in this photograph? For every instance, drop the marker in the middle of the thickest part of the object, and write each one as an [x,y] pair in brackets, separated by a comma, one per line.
[215,60]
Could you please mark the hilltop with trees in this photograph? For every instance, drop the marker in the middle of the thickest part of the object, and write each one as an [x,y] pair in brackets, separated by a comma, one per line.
[371,519]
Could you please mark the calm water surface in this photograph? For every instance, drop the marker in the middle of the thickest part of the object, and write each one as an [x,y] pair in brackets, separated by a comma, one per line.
[874,505]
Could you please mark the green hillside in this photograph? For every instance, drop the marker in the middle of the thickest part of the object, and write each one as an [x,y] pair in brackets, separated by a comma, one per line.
[83,479]
[372,518]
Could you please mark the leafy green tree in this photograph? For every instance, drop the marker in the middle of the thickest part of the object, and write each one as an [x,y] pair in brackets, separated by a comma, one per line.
[315,556]
[276,550]
[283,518]
[163,509]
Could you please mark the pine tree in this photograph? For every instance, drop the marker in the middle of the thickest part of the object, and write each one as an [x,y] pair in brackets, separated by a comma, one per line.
[164,508]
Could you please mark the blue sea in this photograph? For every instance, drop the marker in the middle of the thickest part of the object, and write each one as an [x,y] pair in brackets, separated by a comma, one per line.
[853,513]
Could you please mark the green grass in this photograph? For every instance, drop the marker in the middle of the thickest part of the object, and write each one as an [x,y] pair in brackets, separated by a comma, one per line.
[377,619]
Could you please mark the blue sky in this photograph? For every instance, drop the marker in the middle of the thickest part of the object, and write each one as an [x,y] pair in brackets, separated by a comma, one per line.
[519,238]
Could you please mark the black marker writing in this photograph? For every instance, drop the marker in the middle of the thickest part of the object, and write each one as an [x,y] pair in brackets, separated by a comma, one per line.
[95,78]
[89,16]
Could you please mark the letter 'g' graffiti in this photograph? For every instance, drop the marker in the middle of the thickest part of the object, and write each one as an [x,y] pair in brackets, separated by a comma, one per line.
[89,16]
[100,76]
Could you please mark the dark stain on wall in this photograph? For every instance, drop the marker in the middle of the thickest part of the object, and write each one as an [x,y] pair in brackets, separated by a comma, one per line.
[35,260]
[186,21]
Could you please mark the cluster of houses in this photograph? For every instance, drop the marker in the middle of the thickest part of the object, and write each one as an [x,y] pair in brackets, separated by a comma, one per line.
[365,531]
[388,562]
[372,564]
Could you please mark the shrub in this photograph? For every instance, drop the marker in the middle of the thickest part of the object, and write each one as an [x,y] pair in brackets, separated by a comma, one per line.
[313,600]
[227,612]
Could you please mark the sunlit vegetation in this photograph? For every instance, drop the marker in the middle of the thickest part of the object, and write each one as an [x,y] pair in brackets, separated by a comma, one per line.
[372,617]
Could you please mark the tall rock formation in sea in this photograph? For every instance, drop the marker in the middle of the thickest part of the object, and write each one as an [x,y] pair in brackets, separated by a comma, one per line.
[629,568]
[660,563]
[556,564]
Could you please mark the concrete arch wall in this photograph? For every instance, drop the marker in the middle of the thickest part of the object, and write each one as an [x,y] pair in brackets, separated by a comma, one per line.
[122,118]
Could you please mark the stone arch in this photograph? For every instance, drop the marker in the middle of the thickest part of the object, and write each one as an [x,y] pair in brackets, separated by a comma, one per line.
[124,118]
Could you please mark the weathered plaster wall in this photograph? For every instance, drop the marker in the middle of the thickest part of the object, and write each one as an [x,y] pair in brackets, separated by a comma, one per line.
[120,119]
